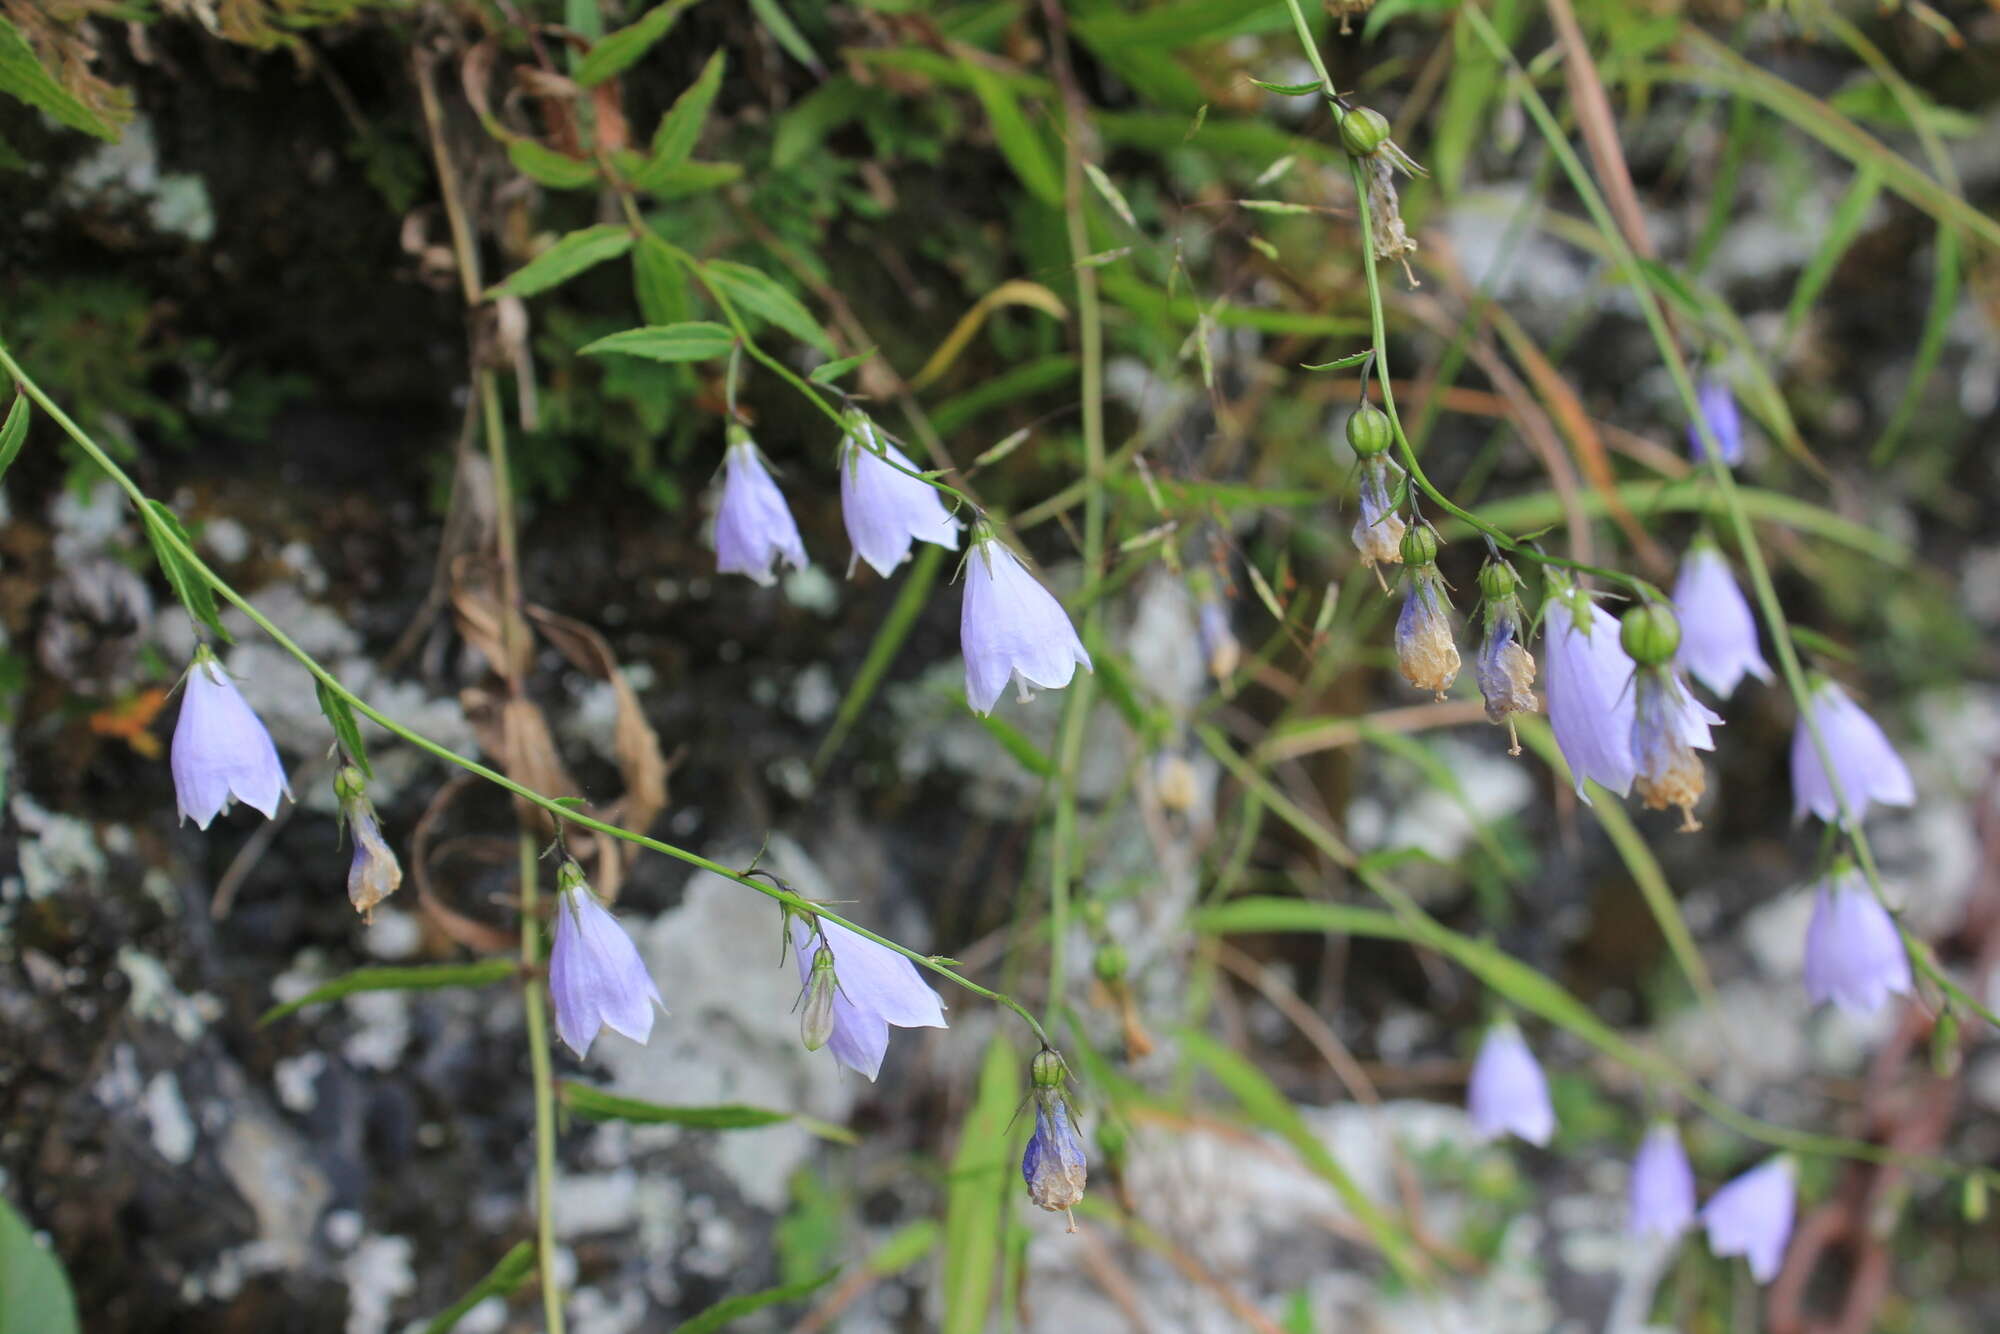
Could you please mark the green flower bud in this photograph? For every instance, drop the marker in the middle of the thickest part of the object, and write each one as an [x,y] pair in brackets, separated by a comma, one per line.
[1110,964]
[1369,431]
[1363,130]
[816,1023]
[1497,580]
[1973,1202]
[1046,1071]
[348,784]
[1944,1045]
[1650,633]
[1420,546]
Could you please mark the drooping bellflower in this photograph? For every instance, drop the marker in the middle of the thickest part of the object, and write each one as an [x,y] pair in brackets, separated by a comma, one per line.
[1425,651]
[1220,649]
[1589,682]
[1507,1093]
[374,874]
[1854,954]
[1053,1164]
[1718,632]
[1504,667]
[221,754]
[1668,723]
[1718,410]
[885,509]
[754,530]
[1660,1195]
[1378,531]
[1752,1217]
[854,997]
[1868,767]
[1010,628]
[597,979]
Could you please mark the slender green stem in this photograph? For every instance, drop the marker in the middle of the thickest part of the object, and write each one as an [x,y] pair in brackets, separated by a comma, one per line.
[545,1090]
[561,810]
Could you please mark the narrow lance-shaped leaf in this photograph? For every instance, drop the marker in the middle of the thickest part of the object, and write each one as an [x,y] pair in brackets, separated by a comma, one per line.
[565,259]
[787,35]
[735,1308]
[616,52]
[543,164]
[13,433]
[681,126]
[189,586]
[23,76]
[421,977]
[500,1281]
[692,340]
[346,729]
[755,292]
[35,1295]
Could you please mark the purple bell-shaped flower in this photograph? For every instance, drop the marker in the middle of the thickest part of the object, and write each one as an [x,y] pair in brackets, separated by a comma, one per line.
[1660,1195]
[1868,767]
[1718,409]
[1508,1094]
[754,530]
[1718,632]
[1752,1217]
[1010,628]
[1854,954]
[885,509]
[1588,676]
[221,754]
[858,992]
[597,979]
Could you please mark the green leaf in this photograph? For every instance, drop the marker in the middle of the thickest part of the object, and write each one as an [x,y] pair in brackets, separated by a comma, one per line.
[601,1106]
[35,1296]
[500,1281]
[346,729]
[1112,195]
[558,171]
[416,977]
[674,141]
[890,634]
[162,524]
[1023,148]
[976,1196]
[23,76]
[1016,743]
[617,52]
[1289,89]
[905,1246]
[1339,365]
[681,179]
[759,294]
[734,1308]
[781,28]
[565,259]
[13,433]
[1847,220]
[658,282]
[833,370]
[693,340]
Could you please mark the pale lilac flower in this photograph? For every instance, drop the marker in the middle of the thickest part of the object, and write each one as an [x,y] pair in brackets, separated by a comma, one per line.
[1219,646]
[1668,725]
[886,510]
[221,751]
[374,874]
[1752,1217]
[873,988]
[1718,409]
[1378,531]
[597,979]
[1507,1093]
[1718,633]
[1867,765]
[1589,683]
[1426,654]
[1854,954]
[754,530]
[1010,628]
[1054,1165]
[1660,1194]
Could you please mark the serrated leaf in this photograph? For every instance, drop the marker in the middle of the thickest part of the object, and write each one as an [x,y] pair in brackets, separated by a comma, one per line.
[35,1296]
[757,293]
[1289,89]
[541,163]
[186,581]
[833,370]
[735,1308]
[682,179]
[692,340]
[23,76]
[674,141]
[1112,195]
[616,52]
[418,977]
[500,1281]
[780,26]
[568,257]
[13,433]
[346,729]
